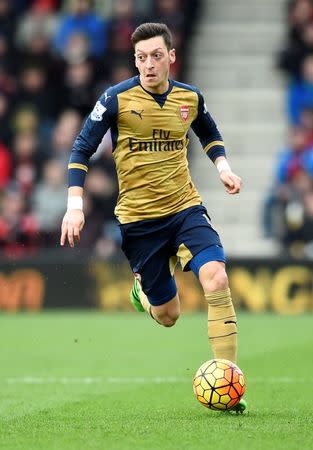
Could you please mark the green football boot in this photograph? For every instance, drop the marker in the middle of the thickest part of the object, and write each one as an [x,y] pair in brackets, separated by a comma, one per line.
[241,406]
[134,296]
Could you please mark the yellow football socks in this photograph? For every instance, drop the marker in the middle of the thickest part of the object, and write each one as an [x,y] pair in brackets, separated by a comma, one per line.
[222,325]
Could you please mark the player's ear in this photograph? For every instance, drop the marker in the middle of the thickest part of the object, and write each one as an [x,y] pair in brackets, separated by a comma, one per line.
[172,54]
[135,60]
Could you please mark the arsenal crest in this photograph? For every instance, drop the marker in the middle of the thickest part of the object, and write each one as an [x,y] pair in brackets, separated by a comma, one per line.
[184,112]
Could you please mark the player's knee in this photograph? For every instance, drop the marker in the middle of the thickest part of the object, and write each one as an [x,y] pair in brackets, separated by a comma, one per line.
[168,313]
[168,321]
[220,279]
[213,277]
[168,318]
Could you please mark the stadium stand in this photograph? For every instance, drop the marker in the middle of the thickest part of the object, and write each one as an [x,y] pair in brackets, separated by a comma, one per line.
[233,62]
[288,214]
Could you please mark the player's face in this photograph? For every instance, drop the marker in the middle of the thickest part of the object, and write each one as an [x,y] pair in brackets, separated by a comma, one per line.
[153,61]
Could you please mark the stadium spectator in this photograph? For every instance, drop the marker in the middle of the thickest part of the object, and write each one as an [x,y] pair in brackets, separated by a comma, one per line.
[290,59]
[36,51]
[40,20]
[121,72]
[64,134]
[297,156]
[48,201]
[300,92]
[82,19]
[5,166]
[300,12]
[18,228]
[7,20]
[7,81]
[299,42]
[102,189]
[79,86]
[102,232]
[27,160]
[101,194]
[24,119]
[5,126]
[171,13]
[120,27]
[287,214]
[77,48]
[296,234]
[180,16]
[34,92]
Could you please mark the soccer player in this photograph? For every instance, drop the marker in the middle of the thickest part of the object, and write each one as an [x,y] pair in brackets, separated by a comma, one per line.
[161,216]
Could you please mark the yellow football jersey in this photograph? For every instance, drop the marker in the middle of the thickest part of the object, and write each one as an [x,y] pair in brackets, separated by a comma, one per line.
[150,140]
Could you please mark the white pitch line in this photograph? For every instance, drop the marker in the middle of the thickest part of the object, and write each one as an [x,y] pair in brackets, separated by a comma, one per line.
[94,380]
[144,380]
[36,380]
[53,380]
[280,380]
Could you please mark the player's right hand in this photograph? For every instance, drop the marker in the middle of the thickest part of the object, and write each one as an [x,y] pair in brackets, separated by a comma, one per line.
[72,224]
[231,181]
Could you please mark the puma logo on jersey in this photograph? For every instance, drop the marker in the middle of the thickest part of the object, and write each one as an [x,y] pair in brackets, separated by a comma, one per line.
[132,111]
[106,96]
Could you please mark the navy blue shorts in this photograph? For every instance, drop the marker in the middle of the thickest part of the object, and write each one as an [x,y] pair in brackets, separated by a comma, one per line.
[154,246]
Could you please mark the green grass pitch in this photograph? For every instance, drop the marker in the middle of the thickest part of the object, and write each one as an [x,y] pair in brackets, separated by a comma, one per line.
[90,380]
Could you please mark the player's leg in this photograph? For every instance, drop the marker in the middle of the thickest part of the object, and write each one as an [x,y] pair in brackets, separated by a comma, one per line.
[146,246]
[157,290]
[147,249]
[199,249]
[165,314]
[222,321]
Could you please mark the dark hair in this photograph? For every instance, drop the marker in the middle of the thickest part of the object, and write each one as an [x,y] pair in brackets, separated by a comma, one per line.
[149,30]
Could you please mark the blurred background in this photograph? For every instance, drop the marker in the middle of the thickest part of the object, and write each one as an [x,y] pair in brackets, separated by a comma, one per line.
[254,64]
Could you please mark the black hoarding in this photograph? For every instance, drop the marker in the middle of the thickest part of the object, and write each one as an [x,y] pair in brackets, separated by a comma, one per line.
[256,285]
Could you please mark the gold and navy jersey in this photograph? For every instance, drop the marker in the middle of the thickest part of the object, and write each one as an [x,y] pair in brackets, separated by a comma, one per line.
[150,138]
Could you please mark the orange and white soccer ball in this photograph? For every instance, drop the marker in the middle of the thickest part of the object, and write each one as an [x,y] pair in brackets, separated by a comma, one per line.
[219,384]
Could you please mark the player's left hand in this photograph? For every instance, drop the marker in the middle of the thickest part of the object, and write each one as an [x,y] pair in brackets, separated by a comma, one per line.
[231,181]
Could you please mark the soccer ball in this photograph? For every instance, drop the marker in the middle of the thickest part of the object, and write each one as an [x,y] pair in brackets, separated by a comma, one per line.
[219,384]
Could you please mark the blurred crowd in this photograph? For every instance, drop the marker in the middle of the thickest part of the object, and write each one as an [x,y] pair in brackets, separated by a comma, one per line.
[56,58]
[288,214]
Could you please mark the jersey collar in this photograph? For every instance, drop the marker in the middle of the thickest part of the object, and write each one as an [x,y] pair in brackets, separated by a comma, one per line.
[159,98]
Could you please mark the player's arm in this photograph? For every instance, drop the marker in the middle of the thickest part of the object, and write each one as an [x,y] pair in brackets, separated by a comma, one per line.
[87,142]
[213,145]
[74,219]
[230,180]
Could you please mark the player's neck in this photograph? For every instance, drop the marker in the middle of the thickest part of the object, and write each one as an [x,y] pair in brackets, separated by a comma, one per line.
[159,89]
